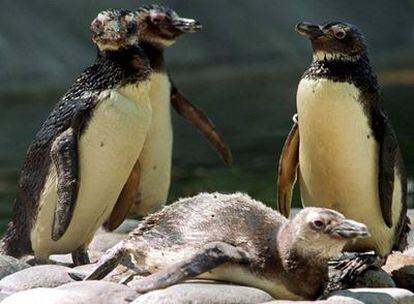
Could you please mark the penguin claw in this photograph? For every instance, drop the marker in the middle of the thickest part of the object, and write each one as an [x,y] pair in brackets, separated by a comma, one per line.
[352,265]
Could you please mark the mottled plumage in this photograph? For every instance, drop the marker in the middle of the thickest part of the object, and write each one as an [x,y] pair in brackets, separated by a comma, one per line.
[233,238]
[56,144]
[159,27]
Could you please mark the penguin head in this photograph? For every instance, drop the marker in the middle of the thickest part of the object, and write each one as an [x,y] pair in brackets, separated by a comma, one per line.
[161,26]
[324,231]
[114,29]
[334,40]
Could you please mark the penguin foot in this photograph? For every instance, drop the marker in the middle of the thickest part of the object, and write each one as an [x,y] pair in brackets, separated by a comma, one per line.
[353,264]
[344,269]
[80,257]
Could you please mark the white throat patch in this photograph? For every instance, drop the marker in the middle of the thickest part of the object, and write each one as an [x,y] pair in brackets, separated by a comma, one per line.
[116,46]
[325,56]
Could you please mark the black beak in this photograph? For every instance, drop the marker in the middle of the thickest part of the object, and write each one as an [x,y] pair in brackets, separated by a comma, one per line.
[309,30]
[350,229]
[187,25]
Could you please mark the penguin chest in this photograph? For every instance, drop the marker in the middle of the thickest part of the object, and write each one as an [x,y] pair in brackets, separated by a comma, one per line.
[338,155]
[155,158]
[235,273]
[108,149]
[163,258]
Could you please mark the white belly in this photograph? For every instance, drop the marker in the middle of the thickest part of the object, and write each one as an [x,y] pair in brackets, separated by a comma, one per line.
[157,260]
[240,275]
[108,149]
[338,158]
[155,158]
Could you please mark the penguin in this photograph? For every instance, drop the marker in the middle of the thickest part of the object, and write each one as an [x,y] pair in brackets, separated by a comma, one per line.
[234,238]
[80,159]
[343,145]
[148,186]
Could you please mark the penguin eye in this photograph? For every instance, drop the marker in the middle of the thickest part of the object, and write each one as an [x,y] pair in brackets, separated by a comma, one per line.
[339,33]
[318,224]
[156,18]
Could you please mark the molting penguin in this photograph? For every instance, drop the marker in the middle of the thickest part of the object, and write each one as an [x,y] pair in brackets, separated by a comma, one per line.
[80,159]
[343,143]
[148,186]
[233,238]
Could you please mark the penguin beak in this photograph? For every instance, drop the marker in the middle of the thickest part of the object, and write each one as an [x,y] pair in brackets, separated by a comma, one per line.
[312,31]
[350,229]
[186,25]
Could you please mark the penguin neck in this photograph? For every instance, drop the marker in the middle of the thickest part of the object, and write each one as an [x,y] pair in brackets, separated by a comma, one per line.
[299,263]
[155,55]
[128,62]
[296,256]
[357,71]
[111,69]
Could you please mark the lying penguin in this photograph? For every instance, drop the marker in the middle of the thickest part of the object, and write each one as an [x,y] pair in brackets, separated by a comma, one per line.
[343,145]
[148,185]
[82,156]
[233,238]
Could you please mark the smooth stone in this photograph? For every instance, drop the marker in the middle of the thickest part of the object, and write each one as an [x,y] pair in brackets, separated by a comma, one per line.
[204,293]
[36,276]
[401,268]
[116,275]
[63,259]
[127,226]
[372,295]
[9,265]
[374,278]
[44,296]
[100,292]
[3,296]
[106,240]
[91,292]
[361,296]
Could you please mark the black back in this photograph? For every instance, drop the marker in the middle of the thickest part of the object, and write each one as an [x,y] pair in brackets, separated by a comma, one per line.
[111,69]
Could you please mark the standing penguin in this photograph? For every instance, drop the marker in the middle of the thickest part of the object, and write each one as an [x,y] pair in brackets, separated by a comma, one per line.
[147,188]
[343,143]
[80,159]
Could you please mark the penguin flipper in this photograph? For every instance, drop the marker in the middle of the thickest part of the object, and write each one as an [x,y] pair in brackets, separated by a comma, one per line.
[126,199]
[64,155]
[387,163]
[194,115]
[287,170]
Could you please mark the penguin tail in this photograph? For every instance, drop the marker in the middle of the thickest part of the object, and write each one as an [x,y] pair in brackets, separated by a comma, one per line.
[402,240]
[13,244]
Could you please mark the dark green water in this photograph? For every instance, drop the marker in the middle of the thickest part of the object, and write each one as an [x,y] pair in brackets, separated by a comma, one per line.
[253,113]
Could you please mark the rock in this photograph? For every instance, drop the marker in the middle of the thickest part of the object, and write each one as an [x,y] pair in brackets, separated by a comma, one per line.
[9,265]
[127,226]
[303,302]
[115,275]
[63,259]
[44,296]
[401,268]
[3,296]
[91,292]
[204,293]
[371,295]
[374,278]
[100,292]
[361,296]
[36,276]
[103,241]
[66,259]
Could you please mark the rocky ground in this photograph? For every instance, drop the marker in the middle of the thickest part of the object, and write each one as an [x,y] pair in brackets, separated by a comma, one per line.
[51,284]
